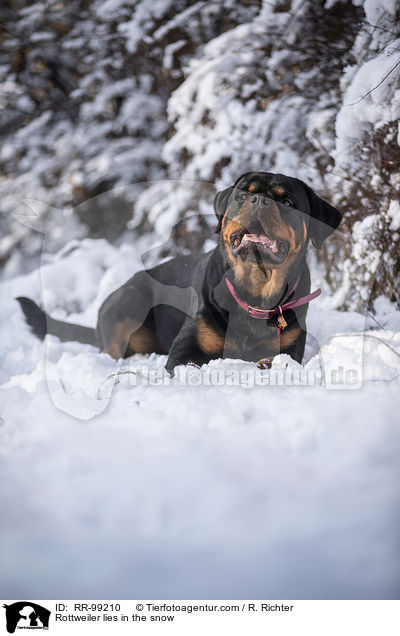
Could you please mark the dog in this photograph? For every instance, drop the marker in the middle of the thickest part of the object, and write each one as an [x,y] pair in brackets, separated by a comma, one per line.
[246,299]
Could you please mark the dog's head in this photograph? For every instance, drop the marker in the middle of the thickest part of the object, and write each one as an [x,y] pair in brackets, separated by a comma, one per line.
[266,221]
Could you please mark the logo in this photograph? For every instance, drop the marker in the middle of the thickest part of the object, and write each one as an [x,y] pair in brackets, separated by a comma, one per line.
[26,615]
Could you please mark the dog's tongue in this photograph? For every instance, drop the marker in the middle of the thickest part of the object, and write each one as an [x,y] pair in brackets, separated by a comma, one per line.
[262,238]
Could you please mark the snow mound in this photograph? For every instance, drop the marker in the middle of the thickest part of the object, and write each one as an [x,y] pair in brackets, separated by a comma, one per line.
[223,482]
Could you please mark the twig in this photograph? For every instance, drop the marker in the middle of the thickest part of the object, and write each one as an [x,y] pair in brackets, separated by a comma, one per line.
[375,87]
[113,375]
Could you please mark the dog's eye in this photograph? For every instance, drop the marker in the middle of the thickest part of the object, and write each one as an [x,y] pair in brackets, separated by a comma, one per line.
[243,196]
[287,202]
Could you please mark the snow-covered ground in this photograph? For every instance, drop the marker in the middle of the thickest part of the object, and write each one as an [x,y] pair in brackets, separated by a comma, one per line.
[226,482]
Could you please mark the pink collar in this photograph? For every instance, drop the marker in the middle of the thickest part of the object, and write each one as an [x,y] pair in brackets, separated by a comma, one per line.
[256,312]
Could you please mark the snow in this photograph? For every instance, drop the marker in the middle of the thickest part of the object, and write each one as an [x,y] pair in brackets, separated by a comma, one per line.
[144,15]
[394,214]
[222,482]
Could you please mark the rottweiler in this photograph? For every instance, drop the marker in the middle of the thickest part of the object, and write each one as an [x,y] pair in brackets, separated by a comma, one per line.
[246,299]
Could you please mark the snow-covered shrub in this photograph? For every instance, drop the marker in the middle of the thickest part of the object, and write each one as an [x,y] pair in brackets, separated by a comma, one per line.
[109,93]
[83,94]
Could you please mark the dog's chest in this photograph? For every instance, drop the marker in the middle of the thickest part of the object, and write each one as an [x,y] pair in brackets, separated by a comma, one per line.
[250,338]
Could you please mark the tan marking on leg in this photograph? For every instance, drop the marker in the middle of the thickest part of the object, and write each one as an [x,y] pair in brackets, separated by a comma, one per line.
[143,340]
[289,337]
[118,343]
[209,340]
[129,337]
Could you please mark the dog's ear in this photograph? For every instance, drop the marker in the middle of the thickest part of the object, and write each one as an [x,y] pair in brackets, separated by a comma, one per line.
[220,205]
[324,218]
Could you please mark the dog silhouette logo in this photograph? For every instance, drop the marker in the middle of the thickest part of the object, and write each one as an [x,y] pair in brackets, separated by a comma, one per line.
[26,615]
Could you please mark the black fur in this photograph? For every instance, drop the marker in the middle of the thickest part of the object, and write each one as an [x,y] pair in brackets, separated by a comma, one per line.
[42,324]
[35,317]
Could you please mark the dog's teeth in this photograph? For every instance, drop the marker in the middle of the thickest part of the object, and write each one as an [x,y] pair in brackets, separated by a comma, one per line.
[264,244]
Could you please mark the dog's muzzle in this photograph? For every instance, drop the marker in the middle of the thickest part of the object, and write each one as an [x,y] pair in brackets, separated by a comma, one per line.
[256,241]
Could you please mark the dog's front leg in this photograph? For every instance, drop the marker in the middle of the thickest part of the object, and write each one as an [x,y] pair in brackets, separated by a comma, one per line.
[185,348]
